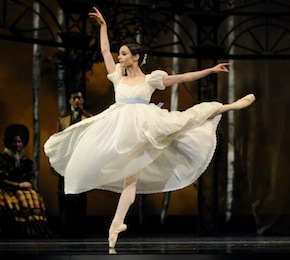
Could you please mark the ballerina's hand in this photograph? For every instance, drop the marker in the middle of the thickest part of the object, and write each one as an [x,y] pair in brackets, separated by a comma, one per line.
[97,16]
[221,67]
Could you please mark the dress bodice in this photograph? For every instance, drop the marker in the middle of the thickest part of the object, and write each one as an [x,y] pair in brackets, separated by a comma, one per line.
[142,90]
[9,170]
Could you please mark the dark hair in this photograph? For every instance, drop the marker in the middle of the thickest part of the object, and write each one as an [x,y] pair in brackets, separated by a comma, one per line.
[136,48]
[75,90]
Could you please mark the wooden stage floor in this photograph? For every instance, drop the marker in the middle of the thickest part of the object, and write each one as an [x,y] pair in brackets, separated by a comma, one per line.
[138,247]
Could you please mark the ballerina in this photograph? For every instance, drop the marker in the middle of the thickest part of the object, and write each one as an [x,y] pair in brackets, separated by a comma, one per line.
[135,147]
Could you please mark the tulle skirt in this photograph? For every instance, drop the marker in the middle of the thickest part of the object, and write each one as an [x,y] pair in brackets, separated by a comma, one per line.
[169,150]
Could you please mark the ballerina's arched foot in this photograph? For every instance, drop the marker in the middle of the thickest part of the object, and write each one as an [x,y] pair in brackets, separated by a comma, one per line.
[244,101]
[114,236]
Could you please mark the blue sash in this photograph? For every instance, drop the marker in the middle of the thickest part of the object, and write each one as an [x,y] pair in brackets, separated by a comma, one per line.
[133,101]
[137,100]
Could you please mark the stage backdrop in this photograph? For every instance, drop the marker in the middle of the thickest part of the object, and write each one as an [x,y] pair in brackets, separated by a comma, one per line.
[261,184]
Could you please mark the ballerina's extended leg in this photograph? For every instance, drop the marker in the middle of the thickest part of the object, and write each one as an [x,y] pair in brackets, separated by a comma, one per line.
[126,200]
[237,105]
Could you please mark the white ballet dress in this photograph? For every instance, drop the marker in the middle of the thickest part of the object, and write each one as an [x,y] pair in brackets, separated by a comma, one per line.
[169,150]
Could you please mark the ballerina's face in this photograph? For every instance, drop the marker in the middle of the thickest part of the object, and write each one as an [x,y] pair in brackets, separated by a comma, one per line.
[125,57]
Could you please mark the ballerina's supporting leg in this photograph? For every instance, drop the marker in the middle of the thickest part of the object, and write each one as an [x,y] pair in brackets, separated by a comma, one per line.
[237,105]
[127,198]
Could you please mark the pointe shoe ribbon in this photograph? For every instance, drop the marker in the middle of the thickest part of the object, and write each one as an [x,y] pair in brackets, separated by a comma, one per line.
[113,237]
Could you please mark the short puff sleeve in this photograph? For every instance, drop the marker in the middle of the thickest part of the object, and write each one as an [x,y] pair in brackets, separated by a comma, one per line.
[116,76]
[155,79]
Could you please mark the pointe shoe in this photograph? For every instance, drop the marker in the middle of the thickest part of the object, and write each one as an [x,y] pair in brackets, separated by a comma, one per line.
[112,251]
[113,238]
[244,101]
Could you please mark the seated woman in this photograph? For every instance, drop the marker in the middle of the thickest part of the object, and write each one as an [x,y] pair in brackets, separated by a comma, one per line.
[22,210]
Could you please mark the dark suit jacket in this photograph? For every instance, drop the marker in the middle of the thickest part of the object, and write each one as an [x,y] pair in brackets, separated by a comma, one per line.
[65,121]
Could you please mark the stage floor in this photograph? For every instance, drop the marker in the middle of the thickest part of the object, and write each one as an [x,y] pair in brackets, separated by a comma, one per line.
[150,247]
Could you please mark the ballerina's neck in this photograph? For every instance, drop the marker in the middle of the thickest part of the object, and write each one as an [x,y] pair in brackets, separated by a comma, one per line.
[130,80]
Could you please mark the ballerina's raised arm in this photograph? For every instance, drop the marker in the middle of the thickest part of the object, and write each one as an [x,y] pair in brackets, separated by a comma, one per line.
[104,40]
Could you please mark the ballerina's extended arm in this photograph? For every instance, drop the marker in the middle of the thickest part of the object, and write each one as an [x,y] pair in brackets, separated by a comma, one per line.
[104,40]
[194,75]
